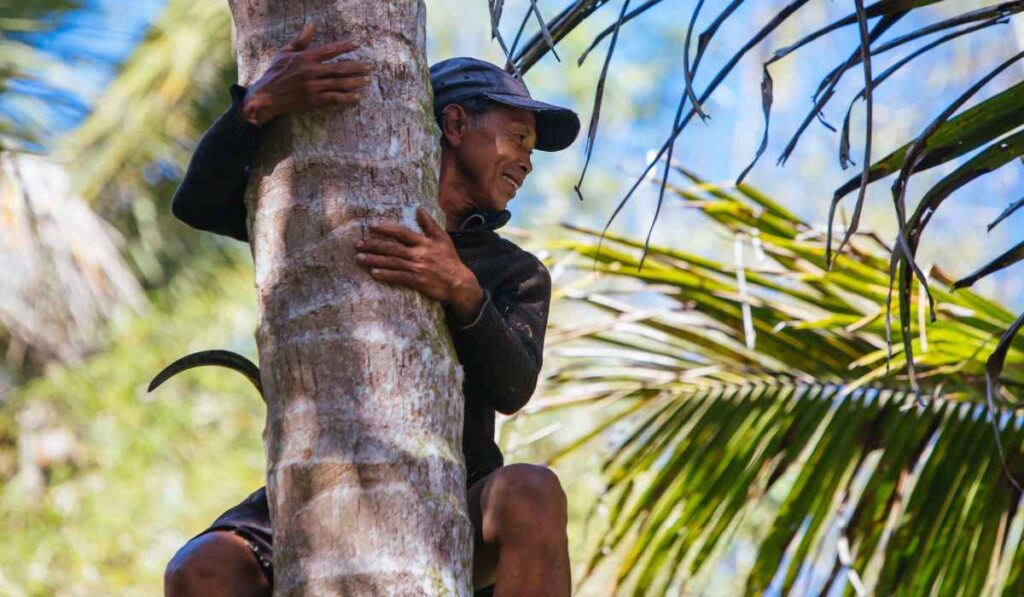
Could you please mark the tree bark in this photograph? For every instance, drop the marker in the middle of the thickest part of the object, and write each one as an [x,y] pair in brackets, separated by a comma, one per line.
[365,474]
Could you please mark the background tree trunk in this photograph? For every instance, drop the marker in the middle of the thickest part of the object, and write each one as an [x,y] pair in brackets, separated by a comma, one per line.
[364,423]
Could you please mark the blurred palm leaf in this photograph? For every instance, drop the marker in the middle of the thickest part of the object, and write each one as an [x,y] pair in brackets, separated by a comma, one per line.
[67,274]
[148,119]
[28,76]
[129,154]
[755,390]
[64,277]
[982,125]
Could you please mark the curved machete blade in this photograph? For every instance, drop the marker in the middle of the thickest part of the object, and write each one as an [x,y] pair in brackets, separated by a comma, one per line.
[216,358]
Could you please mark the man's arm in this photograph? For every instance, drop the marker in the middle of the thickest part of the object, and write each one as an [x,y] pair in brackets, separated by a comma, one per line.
[502,336]
[502,349]
[211,196]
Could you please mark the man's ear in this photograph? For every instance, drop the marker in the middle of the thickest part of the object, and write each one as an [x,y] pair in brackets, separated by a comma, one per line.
[454,122]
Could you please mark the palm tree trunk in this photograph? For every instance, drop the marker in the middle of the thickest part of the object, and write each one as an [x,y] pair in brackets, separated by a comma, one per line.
[365,473]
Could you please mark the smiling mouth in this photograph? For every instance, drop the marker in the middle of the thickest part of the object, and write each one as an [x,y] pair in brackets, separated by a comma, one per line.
[515,183]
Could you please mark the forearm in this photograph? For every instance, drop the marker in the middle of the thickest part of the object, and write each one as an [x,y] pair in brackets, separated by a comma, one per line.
[211,195]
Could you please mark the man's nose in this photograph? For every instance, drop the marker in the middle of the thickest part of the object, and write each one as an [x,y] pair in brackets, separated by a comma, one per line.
[526,164]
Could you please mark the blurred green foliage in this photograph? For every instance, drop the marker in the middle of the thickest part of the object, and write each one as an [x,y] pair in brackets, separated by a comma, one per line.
[101,481]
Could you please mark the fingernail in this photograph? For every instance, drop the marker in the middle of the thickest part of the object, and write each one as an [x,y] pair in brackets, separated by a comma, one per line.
[360,257]
[374,271]
[360,243]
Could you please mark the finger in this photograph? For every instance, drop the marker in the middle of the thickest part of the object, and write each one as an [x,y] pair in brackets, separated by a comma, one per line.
[402,278]
[345,84]
[328,51]
[329,98]
[385,247]
[401,233]
[383,262]
[345,68]
[430,227]
[302,39]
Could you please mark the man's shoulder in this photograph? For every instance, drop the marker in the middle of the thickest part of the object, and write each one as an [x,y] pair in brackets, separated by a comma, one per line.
[527,277]
[528,261]
[502,266]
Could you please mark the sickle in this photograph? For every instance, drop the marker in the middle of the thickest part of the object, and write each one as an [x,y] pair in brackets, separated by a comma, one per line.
[216,358]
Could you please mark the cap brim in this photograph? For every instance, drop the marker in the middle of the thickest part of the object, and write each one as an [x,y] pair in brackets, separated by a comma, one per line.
[557,127]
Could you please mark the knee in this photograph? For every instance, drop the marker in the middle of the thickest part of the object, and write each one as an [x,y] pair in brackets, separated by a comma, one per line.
[217,563]
[526,497]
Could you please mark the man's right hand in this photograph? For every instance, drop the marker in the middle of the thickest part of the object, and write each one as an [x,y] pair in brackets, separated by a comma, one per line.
[297,79]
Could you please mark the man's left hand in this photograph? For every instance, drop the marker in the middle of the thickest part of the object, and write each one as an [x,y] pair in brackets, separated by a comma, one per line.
[427,263]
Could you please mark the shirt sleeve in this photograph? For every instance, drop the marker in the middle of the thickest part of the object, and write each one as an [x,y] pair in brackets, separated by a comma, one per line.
[502,349]
[212,195]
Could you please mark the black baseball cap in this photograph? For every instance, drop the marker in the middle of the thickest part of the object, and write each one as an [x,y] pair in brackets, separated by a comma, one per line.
[458,79]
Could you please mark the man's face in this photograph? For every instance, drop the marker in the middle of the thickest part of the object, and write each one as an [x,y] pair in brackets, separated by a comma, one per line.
[495,154]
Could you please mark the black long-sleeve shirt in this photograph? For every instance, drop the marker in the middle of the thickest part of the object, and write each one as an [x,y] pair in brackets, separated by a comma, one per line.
[500,350]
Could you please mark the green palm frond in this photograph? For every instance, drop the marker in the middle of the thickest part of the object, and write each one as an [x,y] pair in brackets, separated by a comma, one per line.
[754,390]
[781,310]
[864,489]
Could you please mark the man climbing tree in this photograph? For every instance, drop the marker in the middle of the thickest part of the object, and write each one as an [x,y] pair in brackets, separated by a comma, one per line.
[364,483]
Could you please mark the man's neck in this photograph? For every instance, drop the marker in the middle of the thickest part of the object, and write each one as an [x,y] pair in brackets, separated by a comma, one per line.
[453,196]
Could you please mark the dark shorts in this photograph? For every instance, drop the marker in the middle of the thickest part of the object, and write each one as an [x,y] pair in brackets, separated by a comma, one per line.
[250,520]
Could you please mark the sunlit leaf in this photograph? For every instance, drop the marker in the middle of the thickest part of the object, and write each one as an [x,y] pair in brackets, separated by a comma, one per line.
[763,430]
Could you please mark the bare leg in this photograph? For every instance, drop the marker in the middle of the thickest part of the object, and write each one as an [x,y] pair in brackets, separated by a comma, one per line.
[218,564]
[519,514]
